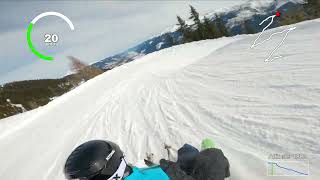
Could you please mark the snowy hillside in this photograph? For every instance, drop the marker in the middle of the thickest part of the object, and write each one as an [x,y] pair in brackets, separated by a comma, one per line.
[216,88]
[253,11]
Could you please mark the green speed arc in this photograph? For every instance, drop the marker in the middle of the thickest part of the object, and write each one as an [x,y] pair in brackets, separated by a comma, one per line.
[41,56]
[30,27]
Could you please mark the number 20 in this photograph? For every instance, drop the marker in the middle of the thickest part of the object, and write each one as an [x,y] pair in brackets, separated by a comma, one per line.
[51,38]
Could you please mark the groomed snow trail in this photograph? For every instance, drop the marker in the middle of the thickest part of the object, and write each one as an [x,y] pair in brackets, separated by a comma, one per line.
[215,88]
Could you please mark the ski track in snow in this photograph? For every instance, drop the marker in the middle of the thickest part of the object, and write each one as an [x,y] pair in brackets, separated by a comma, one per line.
[181,95]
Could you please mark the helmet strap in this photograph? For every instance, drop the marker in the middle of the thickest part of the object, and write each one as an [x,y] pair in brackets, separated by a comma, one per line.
[118,175]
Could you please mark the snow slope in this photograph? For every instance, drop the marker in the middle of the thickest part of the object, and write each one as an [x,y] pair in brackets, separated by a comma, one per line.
[252,11]
[216,88]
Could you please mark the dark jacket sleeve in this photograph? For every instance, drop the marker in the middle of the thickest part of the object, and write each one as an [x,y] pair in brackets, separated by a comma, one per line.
[227,168]
[173,170]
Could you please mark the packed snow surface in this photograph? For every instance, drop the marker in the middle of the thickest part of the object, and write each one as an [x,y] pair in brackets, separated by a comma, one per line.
[216,88]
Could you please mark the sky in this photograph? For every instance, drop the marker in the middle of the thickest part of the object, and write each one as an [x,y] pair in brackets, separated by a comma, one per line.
[102,29]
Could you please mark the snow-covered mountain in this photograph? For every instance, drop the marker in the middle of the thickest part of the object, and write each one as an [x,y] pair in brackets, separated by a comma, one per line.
[254,11]
[215,88]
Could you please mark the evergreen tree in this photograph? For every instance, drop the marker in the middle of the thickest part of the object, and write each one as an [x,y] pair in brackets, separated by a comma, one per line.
[210,31]
[313,3]
[221,26]
[182,24]
[194,15]
[293,17]
[313,8]
[184,30]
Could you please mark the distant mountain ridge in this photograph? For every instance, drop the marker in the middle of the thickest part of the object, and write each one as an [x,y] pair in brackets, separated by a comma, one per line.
[17,97]
[253,11]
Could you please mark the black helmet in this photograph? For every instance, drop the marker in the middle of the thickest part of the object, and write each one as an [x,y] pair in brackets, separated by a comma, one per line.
[95,159]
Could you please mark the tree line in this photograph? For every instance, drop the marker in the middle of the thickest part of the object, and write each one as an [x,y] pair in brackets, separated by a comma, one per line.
[206,29]
[31,94]
[216,27]
[313,8]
